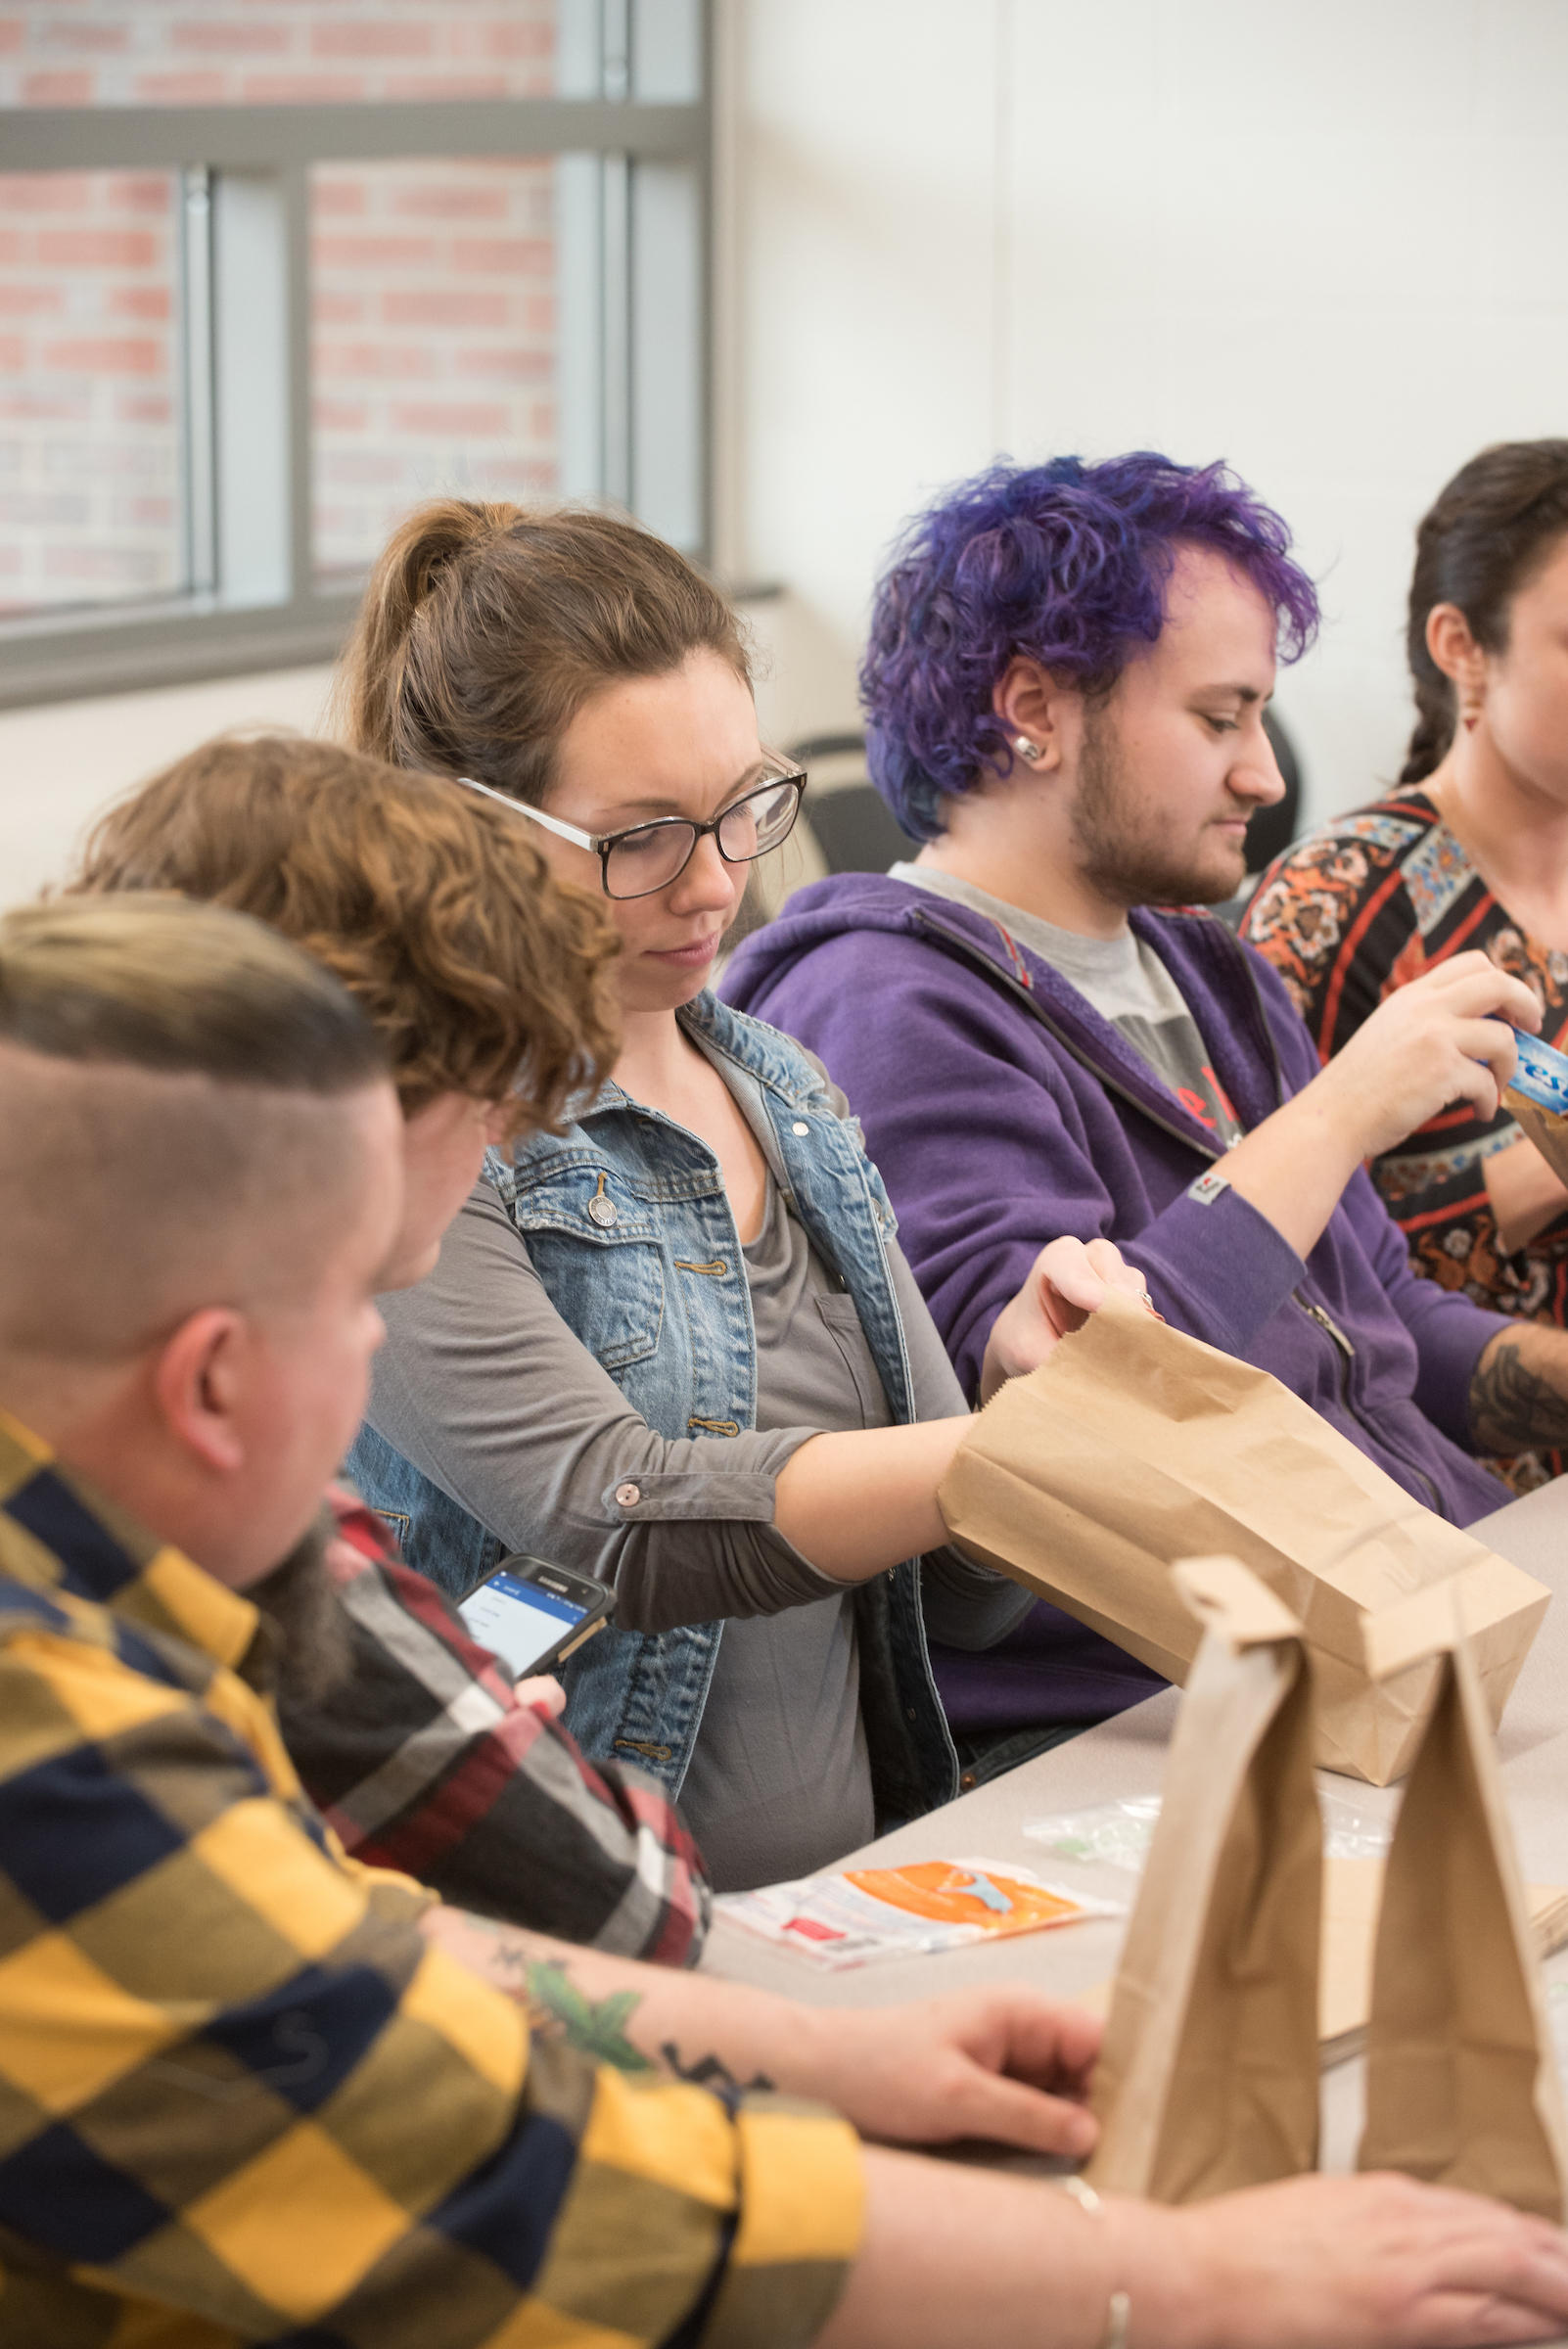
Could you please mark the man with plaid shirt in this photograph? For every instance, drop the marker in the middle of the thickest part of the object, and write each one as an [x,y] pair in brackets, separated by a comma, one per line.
[237,2083]
[242,2096]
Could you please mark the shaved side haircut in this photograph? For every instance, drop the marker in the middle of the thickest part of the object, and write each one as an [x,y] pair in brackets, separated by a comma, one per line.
[173,1086]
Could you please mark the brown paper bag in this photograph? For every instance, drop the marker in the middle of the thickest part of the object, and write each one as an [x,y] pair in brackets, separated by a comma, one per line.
[1461,2078]
[1352,1896]
[1208,2075]
[1133,1446]
[1547,1129]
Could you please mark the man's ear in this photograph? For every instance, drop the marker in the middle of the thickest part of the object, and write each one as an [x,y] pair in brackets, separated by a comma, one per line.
[1029,702]
[199,1384]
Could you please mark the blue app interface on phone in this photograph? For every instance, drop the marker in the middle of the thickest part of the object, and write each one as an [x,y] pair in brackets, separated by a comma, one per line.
[517,1620]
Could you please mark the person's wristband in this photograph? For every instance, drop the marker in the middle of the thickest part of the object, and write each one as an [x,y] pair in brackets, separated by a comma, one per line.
[1118,2313]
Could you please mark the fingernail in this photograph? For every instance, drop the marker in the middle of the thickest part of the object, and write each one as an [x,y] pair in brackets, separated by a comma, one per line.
[1081,2133]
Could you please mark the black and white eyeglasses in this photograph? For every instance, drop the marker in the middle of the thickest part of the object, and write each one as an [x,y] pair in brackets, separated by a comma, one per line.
[641,861]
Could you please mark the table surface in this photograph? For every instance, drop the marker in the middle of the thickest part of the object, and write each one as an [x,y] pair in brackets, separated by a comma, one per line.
[1126,1757]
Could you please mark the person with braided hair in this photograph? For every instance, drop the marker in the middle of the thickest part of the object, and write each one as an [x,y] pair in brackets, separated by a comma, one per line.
[1469,849]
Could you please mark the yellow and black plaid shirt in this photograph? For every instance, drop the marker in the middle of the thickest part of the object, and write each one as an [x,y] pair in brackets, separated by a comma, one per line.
[243,2101]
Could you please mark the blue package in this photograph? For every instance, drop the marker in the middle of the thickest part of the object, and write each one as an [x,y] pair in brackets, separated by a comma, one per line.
[1542,1075]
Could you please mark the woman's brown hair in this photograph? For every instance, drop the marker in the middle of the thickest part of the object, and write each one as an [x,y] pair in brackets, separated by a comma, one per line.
[1488,531]
[481,974]
[484,629]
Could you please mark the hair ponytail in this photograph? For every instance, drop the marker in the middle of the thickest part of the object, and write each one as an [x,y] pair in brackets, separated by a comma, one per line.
[1488,532]
[367,692]
[484,629]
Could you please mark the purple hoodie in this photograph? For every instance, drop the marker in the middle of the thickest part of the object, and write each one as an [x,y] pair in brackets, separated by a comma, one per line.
[1003,1110]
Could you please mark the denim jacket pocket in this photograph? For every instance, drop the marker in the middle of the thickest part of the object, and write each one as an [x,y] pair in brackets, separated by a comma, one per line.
[596,1248]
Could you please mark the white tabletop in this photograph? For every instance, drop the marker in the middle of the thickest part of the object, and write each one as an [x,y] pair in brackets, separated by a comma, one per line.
[1126,1757]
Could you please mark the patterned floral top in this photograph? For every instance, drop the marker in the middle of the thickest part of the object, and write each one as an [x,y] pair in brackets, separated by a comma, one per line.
[1358,909]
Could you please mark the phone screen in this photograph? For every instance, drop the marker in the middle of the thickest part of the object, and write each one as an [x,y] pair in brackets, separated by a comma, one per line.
[517,1620]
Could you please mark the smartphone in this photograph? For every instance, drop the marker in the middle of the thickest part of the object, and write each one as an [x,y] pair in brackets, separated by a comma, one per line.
[534,1615]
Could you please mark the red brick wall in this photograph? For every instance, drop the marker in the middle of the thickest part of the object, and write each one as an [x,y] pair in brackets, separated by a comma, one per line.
[88,420]
[257,52]
[434,284]
[435,308]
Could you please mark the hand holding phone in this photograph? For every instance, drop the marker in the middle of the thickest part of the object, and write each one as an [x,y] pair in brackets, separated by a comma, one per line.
[534,1615]
[541,1693]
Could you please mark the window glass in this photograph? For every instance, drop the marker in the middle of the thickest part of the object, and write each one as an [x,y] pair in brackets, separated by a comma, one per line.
[436,335]
[514,327]
[89,389]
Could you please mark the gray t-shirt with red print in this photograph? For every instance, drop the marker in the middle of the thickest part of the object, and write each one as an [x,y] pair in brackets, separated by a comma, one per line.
[1128,984]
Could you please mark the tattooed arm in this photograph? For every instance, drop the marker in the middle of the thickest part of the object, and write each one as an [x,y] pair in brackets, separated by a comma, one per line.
[1009,2064]
[1519,1391]
[951,2254]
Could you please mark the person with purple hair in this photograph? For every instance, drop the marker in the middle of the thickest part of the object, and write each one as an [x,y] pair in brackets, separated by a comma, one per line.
[1044,1031]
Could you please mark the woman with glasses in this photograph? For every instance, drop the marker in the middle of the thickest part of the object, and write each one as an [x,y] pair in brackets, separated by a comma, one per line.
[674,1346]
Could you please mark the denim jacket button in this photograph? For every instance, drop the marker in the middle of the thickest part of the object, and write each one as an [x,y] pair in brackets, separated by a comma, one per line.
[799,1127]
[628,1496]
[603,1211]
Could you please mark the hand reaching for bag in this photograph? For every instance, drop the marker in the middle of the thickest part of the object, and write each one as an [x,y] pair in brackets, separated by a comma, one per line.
[1068,1281]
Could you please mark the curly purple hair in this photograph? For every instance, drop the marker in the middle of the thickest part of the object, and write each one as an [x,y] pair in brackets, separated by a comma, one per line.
[1065,563]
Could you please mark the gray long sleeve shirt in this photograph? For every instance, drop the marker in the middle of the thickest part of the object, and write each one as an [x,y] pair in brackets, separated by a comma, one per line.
[486,1387]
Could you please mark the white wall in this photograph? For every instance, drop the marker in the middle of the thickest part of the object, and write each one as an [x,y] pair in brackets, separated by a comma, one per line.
[61,765]
[1325,243]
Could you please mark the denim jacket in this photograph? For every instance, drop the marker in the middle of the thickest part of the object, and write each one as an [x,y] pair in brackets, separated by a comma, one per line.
[628,1222]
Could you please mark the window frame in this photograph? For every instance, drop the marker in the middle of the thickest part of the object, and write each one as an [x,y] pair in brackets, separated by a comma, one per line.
[56,656]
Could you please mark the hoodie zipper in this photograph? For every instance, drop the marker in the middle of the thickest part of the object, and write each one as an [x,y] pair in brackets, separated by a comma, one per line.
[1346,1353]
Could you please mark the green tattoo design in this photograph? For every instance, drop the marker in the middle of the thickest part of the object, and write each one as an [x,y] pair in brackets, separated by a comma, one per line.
[555,2005]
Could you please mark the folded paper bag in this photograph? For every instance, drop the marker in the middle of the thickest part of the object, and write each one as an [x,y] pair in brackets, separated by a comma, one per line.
[1461,2079]
[1208,2075]
[1133,1446]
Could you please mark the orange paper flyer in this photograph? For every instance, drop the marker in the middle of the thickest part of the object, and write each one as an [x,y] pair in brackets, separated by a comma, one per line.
[864,1914]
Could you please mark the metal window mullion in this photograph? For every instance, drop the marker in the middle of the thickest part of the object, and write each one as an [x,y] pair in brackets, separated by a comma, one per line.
[294,188]
[198,414]
[615,49]
[272,138]
[615,284]
[706,326]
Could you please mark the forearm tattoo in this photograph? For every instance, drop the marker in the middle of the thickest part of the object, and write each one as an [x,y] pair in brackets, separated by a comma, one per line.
[1512,1408]
[710,2071]
[558,2009]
